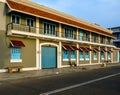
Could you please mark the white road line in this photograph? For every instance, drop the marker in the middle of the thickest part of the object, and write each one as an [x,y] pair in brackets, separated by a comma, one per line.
[78,85]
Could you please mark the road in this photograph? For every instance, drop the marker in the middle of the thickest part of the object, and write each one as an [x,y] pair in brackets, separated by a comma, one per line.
[105,81]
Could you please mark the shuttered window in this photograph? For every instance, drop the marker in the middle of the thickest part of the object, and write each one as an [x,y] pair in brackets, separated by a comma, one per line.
[73,55]
[16,54]
[15,19]
[95,55]
[69,33]
[65,54]
[30,22]
[49,28]
[109,55]
[81,55]
[87,55]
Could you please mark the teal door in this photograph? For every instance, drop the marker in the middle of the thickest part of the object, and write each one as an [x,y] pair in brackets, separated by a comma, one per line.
[49,57]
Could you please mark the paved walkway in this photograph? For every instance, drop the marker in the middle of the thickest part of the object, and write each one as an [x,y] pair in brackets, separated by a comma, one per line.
[49,72]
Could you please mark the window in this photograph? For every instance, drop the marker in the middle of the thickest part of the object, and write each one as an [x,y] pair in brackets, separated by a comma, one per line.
[87,55]
[49,29]
[69,33]
[16,54]
[65,54]
[95,55]
[108,40]
[95,37]
[30,22]
[87,36]
[102,38]
[15,19]
[73,55]
[84,35]
[81,35]
[102,55]
[81,55]
[109,55]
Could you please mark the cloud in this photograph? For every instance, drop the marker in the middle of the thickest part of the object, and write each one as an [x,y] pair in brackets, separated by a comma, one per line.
[103,12]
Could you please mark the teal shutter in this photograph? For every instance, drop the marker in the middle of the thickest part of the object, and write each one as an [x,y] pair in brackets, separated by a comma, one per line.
[65,54]
[16,53]
[73,55]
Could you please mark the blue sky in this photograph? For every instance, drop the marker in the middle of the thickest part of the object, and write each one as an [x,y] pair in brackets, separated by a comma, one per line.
[103,12]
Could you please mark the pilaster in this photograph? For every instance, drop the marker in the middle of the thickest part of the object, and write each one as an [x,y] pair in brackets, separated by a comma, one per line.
[60,30]
[90,55]
[99,55]
[77,55]
[37,46]
[60,55]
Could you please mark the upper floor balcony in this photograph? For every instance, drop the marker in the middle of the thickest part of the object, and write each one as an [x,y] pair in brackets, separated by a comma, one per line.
[116,40]
[36,32]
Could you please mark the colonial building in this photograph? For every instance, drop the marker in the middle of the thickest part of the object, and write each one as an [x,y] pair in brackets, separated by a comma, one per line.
[37,37]
[116,41]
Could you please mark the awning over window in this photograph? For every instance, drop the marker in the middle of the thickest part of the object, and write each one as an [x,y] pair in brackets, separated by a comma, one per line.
[96,49]
[104,50]
[89,49]
[109,50]
[83,49]
[74,48]
[67,47]
[15,43]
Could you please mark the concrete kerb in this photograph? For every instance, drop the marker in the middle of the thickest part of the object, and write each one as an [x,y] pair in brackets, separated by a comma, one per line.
[51,72]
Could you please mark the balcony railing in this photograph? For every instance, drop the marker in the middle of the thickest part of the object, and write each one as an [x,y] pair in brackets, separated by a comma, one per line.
[83,38]
[54,33]
[95,40]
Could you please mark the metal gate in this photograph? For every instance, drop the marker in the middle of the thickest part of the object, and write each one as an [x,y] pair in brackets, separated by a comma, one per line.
[49,57]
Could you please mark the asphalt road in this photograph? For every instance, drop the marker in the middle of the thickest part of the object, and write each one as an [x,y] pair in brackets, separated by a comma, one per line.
[105,81]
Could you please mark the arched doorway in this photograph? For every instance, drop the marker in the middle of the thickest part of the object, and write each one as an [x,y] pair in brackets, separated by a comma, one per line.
[49,56]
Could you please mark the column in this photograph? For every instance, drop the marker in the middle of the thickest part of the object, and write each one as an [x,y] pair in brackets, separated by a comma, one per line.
[111,55]
[37,46]
[77,56]
[60,55]
[90,37]
[60,30]
[99,54]
[60,47]
[90,54]
[98,38]
[77,35]
[106,57]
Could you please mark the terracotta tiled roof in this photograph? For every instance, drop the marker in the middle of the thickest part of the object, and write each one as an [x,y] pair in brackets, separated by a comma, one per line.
[37,12]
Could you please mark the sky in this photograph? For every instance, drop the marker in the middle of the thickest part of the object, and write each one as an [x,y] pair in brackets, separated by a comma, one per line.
[103,12]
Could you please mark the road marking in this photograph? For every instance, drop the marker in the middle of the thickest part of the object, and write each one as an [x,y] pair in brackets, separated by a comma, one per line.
[78,85]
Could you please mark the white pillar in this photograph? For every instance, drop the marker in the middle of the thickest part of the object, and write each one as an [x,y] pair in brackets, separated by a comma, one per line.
[77,56]
[99,54]
[37,45]
[77,35]
[90,37]
[90,55]
[111,55]
[106,57]
[60,55]
[60,30]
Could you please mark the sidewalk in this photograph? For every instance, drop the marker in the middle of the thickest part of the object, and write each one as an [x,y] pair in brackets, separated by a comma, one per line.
[49,72]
